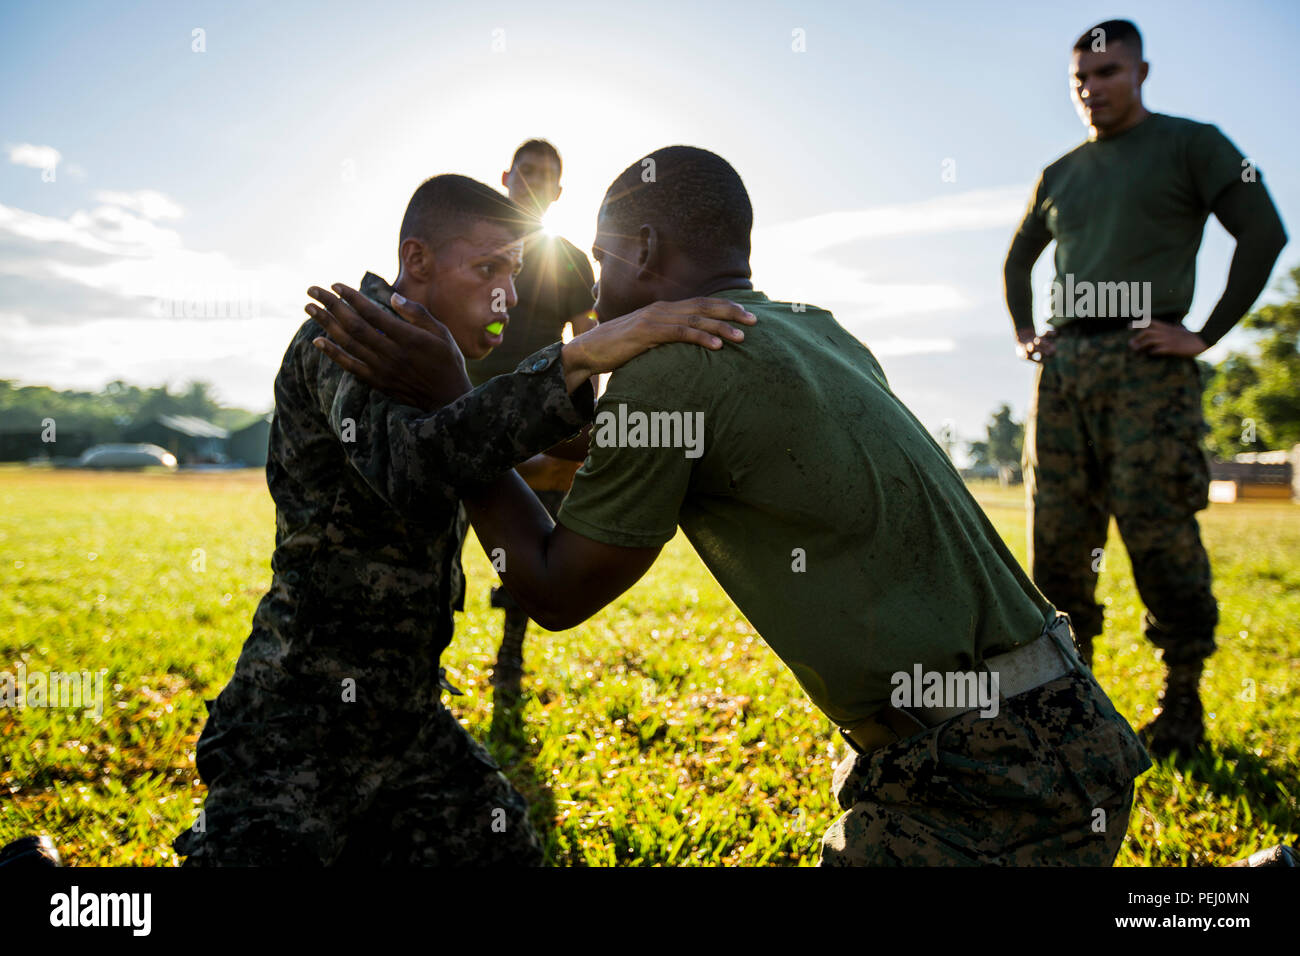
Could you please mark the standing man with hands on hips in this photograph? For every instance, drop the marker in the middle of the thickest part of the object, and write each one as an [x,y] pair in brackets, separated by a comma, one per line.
[1116,422]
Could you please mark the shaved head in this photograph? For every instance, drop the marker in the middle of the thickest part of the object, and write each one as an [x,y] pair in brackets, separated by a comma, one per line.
[446,207]
[694,197]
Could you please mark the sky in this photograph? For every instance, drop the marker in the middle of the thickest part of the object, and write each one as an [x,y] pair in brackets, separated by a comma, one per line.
[173,176]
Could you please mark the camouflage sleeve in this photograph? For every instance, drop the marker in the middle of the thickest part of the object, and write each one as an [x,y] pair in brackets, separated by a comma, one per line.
[416,460]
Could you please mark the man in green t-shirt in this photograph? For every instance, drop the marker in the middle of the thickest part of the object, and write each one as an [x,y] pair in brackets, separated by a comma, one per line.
[554,290]
[1116,422]
[843,532]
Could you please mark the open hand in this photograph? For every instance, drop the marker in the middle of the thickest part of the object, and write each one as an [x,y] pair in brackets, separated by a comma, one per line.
[416,361]
[1168,338]
[1033,347]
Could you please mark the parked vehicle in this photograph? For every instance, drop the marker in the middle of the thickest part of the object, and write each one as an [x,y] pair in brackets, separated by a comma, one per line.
[127,456]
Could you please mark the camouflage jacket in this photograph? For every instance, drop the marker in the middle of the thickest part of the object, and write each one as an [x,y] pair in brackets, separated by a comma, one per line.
[369,524]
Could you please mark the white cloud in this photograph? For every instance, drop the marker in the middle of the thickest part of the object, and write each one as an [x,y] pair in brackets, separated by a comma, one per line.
[113,229]
[978,209]
[906,346]
[107,230]
[141,263]
[37,157]
[106,293]
[124,231]
[109,292]
[790,260]
[147,202]
[241,356]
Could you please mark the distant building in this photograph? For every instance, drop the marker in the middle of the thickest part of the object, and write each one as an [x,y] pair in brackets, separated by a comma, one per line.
[248,444]
[192,440]
[1254,476]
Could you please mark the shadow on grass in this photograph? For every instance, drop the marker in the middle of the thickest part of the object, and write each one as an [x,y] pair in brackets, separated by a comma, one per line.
[1231,772]
[509,743]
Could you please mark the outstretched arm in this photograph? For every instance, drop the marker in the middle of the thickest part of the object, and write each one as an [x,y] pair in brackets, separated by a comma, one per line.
[421,462]
[415,359]
[469,443]
[625,504]
[559,577]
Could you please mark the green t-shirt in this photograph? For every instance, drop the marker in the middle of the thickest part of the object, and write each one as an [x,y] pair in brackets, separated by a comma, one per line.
[818,501]
[1130,208]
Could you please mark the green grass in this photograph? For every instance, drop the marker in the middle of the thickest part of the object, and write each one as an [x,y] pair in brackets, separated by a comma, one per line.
[661,732]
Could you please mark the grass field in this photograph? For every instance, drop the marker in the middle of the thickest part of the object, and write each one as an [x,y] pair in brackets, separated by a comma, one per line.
[661,732]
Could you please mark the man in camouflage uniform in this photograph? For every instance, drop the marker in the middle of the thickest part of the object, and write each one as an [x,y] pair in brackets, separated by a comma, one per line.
[890,567]
[1116,422]
[554,290]
[330,744]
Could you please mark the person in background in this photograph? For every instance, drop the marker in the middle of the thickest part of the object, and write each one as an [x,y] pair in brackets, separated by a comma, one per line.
[554,290]
[1116,423]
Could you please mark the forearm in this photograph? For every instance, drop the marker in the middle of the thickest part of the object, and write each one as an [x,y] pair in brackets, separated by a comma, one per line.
[558,576]
[575,448]
[1252,263]
[545,472]
[507,516]
[578,368]
[1016,273]
[511,418]
[581,322]
[1031,238]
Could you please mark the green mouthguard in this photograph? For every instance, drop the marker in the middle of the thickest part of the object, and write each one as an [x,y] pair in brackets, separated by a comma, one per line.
[495,328]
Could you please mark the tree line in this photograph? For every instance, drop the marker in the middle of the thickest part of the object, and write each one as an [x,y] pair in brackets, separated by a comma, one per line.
[1251,398]
[103,415]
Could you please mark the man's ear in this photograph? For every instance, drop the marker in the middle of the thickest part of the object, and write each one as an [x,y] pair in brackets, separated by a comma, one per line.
[1143,69]
[648,252]
[417,259]
[558,190]
[505,180]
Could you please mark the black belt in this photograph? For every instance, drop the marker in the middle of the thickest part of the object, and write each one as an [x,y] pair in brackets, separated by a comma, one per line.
[1098,326]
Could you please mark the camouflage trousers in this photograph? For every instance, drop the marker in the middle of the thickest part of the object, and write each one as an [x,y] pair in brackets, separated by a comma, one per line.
[282,794]
[1046,782]
[1113,431]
